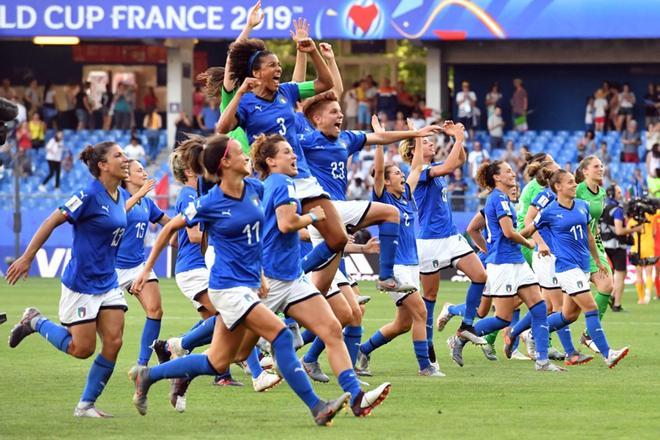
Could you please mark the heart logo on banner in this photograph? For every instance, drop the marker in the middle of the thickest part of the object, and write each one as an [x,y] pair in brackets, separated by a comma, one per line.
[363,16]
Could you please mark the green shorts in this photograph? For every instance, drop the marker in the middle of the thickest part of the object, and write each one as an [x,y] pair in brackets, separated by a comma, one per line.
[602,256]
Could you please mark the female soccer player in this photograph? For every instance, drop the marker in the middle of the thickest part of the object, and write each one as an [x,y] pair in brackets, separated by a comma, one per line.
[572,242]
[291,292]
[589,176]
[231,211]
[508,274]
[392,187]
[130,256]
[91,300]
[439,244]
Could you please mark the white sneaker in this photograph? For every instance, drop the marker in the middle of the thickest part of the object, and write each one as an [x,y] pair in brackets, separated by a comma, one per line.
[265,381]
[444,317]
[180,405]
[518,356]
[174,345]
[548,366]
[615,356]
[528,339]
[43,189]
[89,410]
[431,371]
[266,362]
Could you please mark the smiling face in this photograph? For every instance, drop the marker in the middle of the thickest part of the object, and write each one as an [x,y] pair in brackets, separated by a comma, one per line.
[115,163]
[329,118]
[137,175]
[566,186]
[269,72]
[505,176]
[428,147]
[594,171]
[394,180]
[235,160]
[285,161]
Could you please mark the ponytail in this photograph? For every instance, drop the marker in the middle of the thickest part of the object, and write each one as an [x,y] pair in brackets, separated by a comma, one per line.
[92,155]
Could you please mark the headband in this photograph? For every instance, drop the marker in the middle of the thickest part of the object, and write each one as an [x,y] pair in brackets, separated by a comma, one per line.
[251,61]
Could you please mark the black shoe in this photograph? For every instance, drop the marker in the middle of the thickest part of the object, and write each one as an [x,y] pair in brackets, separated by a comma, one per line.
[23,328]
[616,309]
[3,318]
[160,348]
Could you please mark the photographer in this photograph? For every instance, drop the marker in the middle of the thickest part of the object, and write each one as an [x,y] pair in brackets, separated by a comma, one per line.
[616,238]
[643,212]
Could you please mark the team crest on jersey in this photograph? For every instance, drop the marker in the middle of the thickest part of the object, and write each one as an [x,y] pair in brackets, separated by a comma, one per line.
[282,99]
[509,288]
[579,284]
[255,200]
[81,312]
[436,264]
[555,280]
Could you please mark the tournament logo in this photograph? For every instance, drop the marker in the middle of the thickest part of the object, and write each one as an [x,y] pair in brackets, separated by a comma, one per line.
[81,312]
[364,19]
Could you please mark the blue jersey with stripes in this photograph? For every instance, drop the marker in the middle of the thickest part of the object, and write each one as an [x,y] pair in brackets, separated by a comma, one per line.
[99,222]
[328,157]
[501,249]
[131,248]
[406,252]
[277,116]
[189,255]
[281,250]
[435,219]
[540,201]
[568,227]
[234,226]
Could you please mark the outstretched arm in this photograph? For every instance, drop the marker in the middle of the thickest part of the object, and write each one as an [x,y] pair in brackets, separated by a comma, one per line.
[255,17]
[417,164]
[456,156]
[300,31]
[323,81]
[329,55]
[379,158]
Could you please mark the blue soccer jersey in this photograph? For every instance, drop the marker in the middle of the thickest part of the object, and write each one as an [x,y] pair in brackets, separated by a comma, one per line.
[568,226]
[406,252]
[327,158]
[501,250]
[277,116]
[281,250]
[540,201]
[234,226]
[435,220]
[99,223]
[189,255]
[131,248]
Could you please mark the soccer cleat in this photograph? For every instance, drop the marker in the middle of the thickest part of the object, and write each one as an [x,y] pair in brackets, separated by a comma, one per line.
[326,411]
[362,364]
[175,348]
[314,371]
[586,340]
[297,336]
[528,339]
[266,362]
[265,381]
[3,318]
[226,381]
[508,343]
[489,352]
[162,353]
[431,371]
[394,285]
[91,411]
[615,356]
[548,366]
[456,345]
[362,299]
[467,332]
[555,355]
[365,402]
[24,327]
[140,377]
[577,358]
[178,390]
[518,356]
[444,317]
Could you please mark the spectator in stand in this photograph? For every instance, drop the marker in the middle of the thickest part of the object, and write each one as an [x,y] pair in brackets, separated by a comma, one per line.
[199,99]
[107,106]
[600,110]
[392,155]
[49,108]
[365,96]
[406,101]
[510,156]
[54,154]
[476,157]
[150,100]
[631,141]
[466,100]
[650,106]
[637,184]
[123,111]
[613,106]
[653,170]
[184,126]
[496,128]
[400,124]
[589,113]
[493,99]
[357,190]
[568,167]
[83,107]
[418,119]
[32,97]
[152,124]
[386,100]
[521,163]
[24,142]
[37,130]
[6,91]
[603,154]
[135,151]
[652,136]
[350,107]
[626,107]
[586,145]
[209,116]
[95,102]
[519,105]
[385,121]
[457,188]
[366,158]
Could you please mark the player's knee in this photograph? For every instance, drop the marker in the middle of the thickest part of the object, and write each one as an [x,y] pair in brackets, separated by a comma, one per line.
[217,362]
[155,311]
[480,277]
[337,241]
[81,351]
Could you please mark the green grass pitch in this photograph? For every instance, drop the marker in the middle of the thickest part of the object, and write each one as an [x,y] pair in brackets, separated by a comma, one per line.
[39,386]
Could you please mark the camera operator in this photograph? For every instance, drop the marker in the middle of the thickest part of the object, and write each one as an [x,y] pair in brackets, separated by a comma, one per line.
[616,239]
[643,212]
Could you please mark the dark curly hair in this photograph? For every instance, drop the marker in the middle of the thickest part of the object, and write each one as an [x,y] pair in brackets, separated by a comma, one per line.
[240,53]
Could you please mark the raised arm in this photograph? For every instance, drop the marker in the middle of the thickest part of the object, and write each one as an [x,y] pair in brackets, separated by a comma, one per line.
[389,137]
[456,157]
[323,81]
[228,120]
[329,55]
[300,31]
[255,17]
[417,164]
[20,267]
[379,158]
[143,191]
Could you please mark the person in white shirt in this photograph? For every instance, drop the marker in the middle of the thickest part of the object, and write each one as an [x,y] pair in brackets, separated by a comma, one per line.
[54,153]
[600,110]
[366,158]
[351,107]
[466,100]
[476,157]
[134,150]
[496,128]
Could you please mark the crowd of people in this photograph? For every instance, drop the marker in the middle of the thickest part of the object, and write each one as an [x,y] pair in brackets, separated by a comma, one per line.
[257,214]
